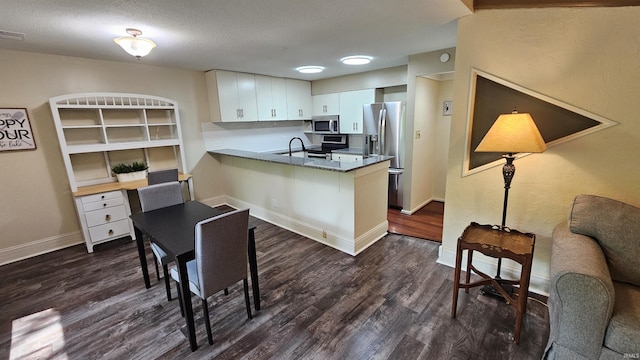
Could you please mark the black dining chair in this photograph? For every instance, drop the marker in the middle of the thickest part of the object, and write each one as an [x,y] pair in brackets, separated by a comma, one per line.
[220,259]
[154,197]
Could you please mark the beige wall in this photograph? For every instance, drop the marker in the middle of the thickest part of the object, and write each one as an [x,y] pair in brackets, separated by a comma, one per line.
[586,57]
[37,208]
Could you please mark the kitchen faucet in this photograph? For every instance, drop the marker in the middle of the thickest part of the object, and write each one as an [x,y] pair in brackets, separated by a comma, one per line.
[301,142]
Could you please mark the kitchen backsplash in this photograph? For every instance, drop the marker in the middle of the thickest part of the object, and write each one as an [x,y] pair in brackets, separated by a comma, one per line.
[255,136]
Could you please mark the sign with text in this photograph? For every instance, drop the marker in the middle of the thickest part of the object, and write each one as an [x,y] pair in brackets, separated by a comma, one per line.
[15,130]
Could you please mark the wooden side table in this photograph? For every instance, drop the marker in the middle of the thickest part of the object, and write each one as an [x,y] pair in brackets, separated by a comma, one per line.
[494,242]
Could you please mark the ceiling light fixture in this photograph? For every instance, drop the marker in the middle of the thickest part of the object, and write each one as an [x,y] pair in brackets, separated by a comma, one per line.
[135,45]
[356,60]
[312,69]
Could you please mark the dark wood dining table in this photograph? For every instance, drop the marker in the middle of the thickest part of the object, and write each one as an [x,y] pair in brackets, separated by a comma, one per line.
[173,229]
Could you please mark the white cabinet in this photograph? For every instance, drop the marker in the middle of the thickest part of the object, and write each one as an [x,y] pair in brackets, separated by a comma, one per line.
[326,104]
[346,157]
[299,103]
[271,95]
[98,130]
[351,112]
[236,96]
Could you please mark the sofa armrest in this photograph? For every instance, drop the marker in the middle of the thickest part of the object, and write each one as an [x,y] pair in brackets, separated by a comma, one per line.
[581,294]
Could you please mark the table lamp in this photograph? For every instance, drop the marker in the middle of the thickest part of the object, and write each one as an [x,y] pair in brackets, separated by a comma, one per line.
[510,134]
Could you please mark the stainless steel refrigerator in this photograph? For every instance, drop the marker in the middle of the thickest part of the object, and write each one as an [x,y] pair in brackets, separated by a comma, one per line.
[383,129]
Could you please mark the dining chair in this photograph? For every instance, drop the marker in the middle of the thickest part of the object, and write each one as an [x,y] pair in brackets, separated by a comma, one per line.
[220,259]
[154,197]
[162,176]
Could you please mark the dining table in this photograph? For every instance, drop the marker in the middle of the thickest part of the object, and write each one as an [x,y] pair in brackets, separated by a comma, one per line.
[172,228]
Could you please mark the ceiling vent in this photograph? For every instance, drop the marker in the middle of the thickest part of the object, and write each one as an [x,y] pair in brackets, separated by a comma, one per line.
[10,35]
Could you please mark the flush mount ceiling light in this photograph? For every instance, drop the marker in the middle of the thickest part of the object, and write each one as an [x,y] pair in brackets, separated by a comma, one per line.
[135,45]
[310,69]
[356,60]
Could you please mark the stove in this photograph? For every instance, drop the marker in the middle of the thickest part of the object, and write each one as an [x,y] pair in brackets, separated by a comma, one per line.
[329,143]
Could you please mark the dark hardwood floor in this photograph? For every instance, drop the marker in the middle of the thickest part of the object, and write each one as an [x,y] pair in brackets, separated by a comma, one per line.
[393,301]
[425,223]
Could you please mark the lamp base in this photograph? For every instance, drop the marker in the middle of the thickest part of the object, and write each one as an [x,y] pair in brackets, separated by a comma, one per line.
[489,290]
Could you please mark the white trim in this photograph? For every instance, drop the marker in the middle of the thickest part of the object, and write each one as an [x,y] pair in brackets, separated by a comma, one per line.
[336,241]
[38,247]
[538,284]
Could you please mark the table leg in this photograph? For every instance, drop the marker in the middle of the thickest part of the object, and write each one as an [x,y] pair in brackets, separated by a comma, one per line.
[185,293]
[253,267]
[143,257]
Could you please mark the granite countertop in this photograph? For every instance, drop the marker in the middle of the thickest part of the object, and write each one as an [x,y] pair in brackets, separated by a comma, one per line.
[317,163]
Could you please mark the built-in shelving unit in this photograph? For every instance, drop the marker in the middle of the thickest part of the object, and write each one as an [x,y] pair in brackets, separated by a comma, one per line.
[99,130]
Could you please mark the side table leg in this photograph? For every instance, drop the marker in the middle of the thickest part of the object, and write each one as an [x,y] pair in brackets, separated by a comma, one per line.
[456,281]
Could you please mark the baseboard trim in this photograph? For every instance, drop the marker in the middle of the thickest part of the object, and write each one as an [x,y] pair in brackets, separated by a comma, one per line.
[39,247]
[538,284]
[336,241]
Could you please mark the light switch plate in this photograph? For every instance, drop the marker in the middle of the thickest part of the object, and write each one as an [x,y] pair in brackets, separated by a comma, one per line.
[446,107]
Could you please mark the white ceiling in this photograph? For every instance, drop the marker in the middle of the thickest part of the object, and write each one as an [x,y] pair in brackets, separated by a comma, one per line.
[270,37]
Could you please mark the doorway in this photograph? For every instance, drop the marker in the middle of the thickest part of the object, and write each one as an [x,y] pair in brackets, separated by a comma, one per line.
[425,223]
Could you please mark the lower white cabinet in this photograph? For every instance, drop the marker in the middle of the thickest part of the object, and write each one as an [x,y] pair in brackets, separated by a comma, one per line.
[104,217]
[346,157]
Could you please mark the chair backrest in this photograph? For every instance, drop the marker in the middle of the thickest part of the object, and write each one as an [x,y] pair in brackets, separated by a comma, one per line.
[160,195]
[162,176]
[221,251]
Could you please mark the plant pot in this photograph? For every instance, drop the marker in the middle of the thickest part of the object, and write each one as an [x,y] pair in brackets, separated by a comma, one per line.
[132,176]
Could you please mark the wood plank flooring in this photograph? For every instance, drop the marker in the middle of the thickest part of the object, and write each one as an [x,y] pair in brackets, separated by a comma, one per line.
[425,223]
[393,301]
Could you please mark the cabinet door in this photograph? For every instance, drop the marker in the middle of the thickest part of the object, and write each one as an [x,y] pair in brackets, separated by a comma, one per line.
[227,85]
[247,97]
[326,104]
[271,98]
[299,103]
[351,103]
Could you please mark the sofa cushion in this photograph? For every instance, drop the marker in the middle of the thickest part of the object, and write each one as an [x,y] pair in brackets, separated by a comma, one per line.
[616,226]
[623,332]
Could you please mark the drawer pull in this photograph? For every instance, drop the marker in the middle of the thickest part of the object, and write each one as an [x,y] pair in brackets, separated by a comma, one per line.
[102,197]
[110,232]
[104,205]
[107,218]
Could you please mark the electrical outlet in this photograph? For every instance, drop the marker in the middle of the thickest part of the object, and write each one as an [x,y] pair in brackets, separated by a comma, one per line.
[324,234]
[274,203]
[417,134]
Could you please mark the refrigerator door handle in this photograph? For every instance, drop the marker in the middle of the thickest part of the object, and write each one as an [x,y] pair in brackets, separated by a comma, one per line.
[381,130]
[396,171]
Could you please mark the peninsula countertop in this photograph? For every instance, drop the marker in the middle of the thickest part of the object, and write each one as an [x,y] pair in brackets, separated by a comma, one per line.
[318,163]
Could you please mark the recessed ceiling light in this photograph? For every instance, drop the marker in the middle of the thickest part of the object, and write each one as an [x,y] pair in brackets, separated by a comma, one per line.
[310,69]
[356,60]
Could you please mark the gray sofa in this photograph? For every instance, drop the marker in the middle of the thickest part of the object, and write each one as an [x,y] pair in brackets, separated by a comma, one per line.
[594,295]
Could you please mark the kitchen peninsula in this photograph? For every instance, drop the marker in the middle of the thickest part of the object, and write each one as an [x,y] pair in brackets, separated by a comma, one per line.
[342,204]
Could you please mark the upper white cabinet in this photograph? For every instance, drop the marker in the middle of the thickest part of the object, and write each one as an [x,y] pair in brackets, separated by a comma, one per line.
[271,94]
[326,104]
[234,95]
[351,111]
[237,97]
[299,103]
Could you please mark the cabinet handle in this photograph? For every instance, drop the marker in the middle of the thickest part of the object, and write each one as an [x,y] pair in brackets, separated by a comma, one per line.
[107,218]
[104,205]
[110,232]
[102,197]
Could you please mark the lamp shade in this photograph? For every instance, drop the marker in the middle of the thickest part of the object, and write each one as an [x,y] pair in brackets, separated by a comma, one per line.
[135,46]
[513,133]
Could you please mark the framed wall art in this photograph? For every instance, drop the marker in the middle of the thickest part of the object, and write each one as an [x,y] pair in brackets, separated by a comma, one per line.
[491,96]
[15,130]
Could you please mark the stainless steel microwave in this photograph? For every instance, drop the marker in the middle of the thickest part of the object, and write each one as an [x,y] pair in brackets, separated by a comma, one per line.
[326,124]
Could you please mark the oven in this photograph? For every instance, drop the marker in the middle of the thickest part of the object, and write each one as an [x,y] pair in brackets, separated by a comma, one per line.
[329,143]
[326,124]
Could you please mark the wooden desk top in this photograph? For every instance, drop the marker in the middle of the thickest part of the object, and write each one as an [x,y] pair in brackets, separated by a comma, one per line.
[128,185]
[513,240]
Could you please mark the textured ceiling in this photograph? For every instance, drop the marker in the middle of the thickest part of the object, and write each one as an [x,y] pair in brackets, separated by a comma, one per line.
[270,37]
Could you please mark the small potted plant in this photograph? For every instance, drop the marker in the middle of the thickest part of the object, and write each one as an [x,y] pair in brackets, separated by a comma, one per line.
[130,172]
